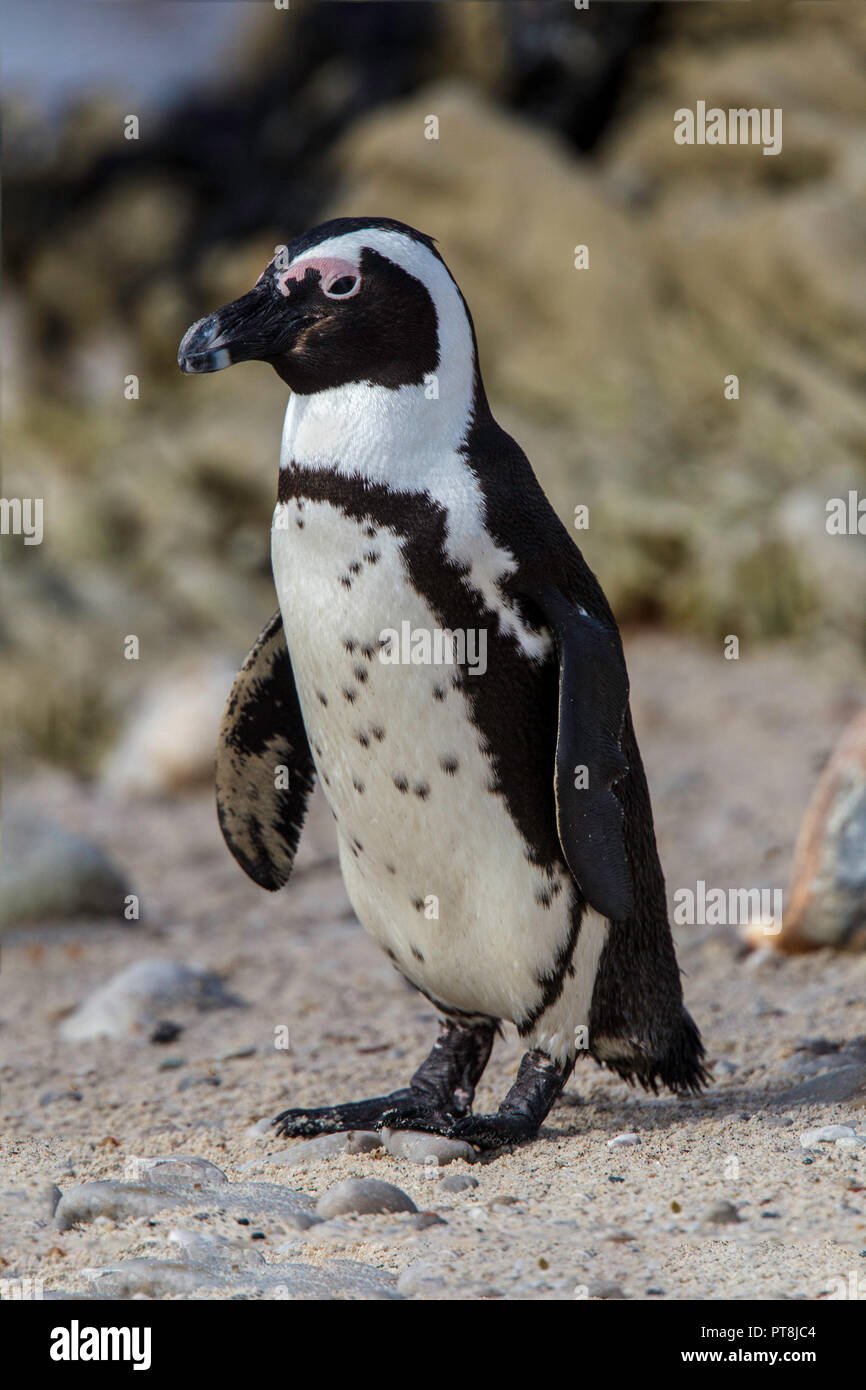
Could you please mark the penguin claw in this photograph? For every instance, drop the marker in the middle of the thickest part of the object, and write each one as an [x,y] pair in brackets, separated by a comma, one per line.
[488,1132]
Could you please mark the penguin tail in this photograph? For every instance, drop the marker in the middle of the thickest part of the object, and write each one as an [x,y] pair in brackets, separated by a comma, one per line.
[678,1066]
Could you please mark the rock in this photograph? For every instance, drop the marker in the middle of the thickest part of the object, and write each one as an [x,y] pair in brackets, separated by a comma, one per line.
[365,1196]
[48,874]
[419,1147]
[458,1182]
[605,1288]
[722,1214]
[831,1087]
[247,1200]
[165,1031]
[187,1082]
[810,1138]
[50,1097]
[118,1201]
[173,1170]
[421,1279]
[851,1143]
[351,1141]
[200,1248]
[261,1130]
[827,896]
[129,1003]
[422,1219]
[623,1141]
[210,1269]
[170,739]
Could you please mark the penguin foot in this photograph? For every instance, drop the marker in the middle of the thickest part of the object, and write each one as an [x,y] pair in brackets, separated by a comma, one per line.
[519,1117]
[439,1094]
[400,1108]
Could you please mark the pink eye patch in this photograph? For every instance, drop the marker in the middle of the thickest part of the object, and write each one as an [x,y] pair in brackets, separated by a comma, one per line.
[331,269]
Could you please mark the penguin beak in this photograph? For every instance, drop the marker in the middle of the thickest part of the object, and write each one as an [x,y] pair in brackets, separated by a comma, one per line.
[252,328]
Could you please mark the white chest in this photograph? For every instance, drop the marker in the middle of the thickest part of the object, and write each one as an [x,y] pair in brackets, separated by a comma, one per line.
[434,864]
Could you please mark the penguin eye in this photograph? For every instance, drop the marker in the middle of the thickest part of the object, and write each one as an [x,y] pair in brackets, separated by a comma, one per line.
[343,288]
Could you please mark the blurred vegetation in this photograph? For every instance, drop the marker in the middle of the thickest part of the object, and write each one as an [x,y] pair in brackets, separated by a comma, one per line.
[555,129]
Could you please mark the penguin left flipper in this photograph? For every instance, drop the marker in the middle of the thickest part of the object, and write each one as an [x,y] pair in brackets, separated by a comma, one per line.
[593,698]
[262,744]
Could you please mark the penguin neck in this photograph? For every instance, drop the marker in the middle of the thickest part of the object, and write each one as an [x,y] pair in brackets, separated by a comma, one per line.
[399,437]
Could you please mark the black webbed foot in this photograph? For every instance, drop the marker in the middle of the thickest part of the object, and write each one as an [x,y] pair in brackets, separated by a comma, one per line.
[439,1093]
[518,1119]
[354,1114]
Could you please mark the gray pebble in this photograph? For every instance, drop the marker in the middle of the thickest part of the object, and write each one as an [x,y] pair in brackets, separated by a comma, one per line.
[362,1195]
[152,1278]
[420,1278]
[187,1082]
[50,1097]
[605,1288]
[422,1219]
[458,1182]
[825,1135]
[832,1087]
[47,873]
[351,1141]
[623,1141]
[116,1200]
[173,1170]
[418,1147]
[722,1214]
[132,1002]
[120,1201]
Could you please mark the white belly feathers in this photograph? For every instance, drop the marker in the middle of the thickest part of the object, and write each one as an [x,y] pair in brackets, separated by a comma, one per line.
[433,863]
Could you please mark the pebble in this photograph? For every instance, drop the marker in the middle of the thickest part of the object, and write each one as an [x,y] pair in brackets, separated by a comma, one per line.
[831,1087]
[199,1248]
[350,1141]
[153,1278]
[458,1182]
[46,873]
[623,1141]
[262,1129]
[50,1097]
[422,1219]
[134,1001]
[173,1170]
[165,1031]
[422,1279]
[722,1214]
[825,1135]
[187,1082]
[419,1147]
[604,1288]
[364,1196]
[119,1201]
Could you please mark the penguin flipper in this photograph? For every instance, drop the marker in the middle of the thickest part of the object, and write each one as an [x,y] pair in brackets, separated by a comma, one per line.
[262,729]
[593,698]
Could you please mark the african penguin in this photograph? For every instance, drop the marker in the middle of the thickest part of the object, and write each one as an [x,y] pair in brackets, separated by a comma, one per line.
[445,662]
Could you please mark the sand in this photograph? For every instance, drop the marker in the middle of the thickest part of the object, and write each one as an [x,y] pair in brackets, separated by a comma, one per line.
[732,750]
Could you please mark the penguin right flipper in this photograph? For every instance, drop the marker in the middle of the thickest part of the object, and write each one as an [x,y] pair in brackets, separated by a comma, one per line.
[262,730]
[593,699]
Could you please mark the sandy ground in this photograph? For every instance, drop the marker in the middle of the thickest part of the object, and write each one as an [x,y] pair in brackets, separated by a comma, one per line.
[732,749]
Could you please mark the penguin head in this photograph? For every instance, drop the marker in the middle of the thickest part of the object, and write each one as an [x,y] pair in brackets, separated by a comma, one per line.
[356,300]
